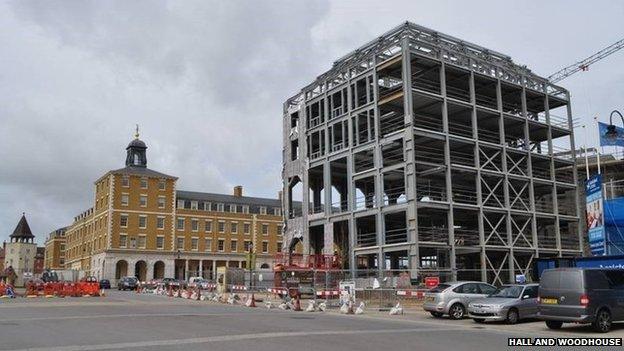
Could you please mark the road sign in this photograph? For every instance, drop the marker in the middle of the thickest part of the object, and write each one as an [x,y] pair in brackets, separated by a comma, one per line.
[432,282]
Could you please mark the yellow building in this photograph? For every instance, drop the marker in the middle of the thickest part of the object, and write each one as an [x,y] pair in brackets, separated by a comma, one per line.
[55,250]
[142,225]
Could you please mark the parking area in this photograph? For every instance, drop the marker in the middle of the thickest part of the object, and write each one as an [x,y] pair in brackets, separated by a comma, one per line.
[126,320]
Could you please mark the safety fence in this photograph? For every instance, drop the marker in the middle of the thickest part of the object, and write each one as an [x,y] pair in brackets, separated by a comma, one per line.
[53,289]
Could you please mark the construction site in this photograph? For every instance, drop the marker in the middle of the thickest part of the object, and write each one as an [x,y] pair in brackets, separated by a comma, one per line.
[420,152]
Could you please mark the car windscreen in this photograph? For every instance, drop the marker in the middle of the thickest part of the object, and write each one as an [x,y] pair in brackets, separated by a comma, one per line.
[512,292]
[439,288]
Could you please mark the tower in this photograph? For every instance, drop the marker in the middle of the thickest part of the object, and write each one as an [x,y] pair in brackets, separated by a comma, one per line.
[21,250]
[136,155]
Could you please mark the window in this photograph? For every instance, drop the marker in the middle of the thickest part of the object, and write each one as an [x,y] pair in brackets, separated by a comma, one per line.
[208,226]
[194,225]
[123,221]
[123,240]
[220,207]
[143,200]
[265,247]
[141,242]
[279,246]
[247,245]
[233,246]
[221,227]
[160,223]
[161,202]
[265,229]
[279,230]
[234,227]
[180,224]
[194,243]
[246,228]
[124,199]
[531,291]
[233,208]
[142,222]
[221,245]
[486,289]
[161,184]
[208,244]
[263,210]
[160,242]
[245,209]
[143,183]
[468,288]
[180,204]
[206,206]
[180,243]
[277,211]
[125,181]
[193,205]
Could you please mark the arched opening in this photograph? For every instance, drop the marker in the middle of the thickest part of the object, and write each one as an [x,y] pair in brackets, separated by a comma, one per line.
[121,269]
[159,270]
[140,270]
[265,266]
[295,196]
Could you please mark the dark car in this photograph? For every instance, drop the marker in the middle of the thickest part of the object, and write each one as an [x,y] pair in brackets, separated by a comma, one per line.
[105,284]
[576,295]
[127,283]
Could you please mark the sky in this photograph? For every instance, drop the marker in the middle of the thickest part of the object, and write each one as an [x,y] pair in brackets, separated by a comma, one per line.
[206,81]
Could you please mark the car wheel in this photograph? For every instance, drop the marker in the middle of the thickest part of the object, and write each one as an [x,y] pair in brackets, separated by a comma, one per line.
[436,314]
[479,320]
[457,311]
[602,324]
[554,324]
[512,316]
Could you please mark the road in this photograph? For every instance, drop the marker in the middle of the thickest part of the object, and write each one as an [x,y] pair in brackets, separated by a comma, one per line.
[128,321]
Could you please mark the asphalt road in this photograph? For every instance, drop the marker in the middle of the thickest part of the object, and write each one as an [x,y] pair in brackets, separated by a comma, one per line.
[127,321]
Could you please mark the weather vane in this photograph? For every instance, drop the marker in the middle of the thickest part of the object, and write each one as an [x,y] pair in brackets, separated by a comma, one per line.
[136,134]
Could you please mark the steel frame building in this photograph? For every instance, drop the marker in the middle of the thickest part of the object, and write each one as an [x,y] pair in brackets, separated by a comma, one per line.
[425,152]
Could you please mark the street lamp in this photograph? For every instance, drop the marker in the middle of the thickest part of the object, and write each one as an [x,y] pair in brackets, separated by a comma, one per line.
[612,135]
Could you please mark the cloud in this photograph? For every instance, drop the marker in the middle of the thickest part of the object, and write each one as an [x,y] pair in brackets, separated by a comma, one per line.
[205,81]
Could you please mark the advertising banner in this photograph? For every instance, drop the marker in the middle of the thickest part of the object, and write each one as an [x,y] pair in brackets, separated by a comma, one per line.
[594,212]
[604,141]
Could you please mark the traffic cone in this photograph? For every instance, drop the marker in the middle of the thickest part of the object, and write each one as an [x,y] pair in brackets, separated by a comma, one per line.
[252,303]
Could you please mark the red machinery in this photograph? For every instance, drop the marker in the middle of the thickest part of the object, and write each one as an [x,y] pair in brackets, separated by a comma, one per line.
[304,274]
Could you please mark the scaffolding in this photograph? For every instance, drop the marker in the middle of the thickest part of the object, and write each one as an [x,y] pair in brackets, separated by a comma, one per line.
[429,153]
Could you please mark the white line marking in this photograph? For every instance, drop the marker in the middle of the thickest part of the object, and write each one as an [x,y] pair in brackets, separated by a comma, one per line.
[209,339]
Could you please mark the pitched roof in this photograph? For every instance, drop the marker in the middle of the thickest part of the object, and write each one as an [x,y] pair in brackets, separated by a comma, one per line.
[230,199]
[22,230]
[138,171]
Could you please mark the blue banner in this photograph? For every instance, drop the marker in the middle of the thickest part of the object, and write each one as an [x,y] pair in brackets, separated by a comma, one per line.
[594,213]
[604,141]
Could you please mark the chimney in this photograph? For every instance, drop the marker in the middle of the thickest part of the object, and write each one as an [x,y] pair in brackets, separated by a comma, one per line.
[279,195]
[238,191]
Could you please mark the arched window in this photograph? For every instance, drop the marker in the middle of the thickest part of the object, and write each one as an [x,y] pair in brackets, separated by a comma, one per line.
[137,159]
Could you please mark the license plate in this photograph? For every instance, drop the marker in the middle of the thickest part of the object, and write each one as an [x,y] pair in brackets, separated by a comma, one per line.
[429,298]
[550,301]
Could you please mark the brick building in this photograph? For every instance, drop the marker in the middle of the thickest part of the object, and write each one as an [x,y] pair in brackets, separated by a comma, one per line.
[142,225]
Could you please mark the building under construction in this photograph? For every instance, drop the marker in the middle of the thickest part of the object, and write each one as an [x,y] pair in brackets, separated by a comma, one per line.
[423,152]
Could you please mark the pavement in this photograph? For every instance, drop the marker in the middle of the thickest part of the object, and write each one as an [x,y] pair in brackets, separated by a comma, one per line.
[130,321]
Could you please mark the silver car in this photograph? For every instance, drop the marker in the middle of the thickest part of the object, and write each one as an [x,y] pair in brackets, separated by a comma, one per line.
[453,298]
[509,303]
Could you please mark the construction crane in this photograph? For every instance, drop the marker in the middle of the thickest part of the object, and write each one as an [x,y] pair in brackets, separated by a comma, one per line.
[584,65]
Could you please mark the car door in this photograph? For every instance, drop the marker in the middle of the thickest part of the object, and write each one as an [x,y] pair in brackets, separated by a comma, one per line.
[616,285]
[528,306]
[470,292]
